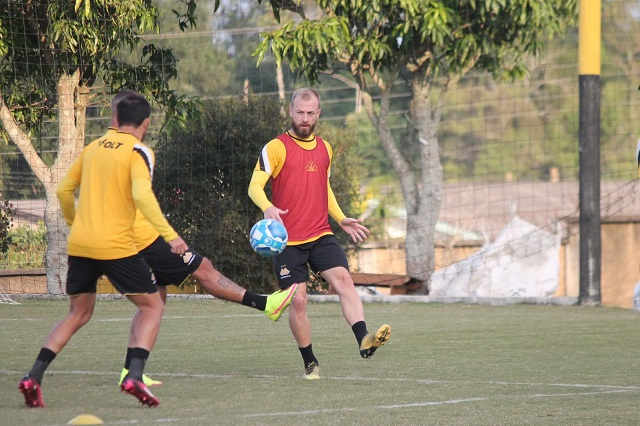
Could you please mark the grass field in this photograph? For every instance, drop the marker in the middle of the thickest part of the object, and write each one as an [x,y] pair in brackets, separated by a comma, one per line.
[223,364]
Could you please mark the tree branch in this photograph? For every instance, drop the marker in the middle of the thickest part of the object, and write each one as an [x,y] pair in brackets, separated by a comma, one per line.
[22,140]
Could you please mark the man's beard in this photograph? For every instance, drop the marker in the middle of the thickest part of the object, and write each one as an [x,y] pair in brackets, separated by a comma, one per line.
[304,132]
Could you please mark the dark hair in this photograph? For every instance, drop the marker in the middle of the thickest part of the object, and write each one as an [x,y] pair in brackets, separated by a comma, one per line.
[133,110]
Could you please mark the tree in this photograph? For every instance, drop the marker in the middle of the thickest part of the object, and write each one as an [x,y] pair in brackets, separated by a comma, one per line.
[59,58]
[427,45]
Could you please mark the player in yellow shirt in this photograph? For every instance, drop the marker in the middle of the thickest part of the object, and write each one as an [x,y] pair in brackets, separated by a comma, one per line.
[114,175]
[170,268]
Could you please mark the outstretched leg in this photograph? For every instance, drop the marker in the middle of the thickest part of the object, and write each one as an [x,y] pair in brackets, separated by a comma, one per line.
[81,308]
[340,280]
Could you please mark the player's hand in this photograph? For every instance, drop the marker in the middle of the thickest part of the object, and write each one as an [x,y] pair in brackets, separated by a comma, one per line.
[178,246]
[274,213]
[353,227]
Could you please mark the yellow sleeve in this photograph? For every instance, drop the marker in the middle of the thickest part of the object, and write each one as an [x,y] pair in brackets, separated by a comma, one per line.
[269,164]
[330,151]
[66,191]
[147,202]
[334,209]
[256,189]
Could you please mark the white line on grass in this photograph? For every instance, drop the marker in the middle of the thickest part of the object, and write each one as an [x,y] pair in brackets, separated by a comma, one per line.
[546,395]
[166,317]
[302,413]
[416,404]
[429,403]
[346,378]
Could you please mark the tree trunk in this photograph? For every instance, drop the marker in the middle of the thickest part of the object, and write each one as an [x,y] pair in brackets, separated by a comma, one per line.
[422,213]
[421,223]
[71,111]
[73,100]
[72,106]
[57,230]
[281,89]
[280,81]
[68,150]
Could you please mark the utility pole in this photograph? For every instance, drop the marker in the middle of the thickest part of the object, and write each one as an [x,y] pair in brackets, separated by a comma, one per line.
[589,46]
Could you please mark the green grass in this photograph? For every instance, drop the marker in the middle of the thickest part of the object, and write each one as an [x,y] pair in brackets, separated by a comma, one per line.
[444,364]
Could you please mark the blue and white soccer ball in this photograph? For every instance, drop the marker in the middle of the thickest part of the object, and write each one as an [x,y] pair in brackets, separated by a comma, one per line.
[268,237]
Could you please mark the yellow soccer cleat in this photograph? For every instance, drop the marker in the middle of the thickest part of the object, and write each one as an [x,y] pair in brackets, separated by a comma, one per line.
[373,341]
[279,301]
[148,381]
[312,372]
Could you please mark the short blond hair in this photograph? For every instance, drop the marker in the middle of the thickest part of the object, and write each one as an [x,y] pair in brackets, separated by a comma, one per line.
[305,93]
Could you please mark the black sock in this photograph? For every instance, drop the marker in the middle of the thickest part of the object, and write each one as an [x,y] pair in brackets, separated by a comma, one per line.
[42,362]
[127,360]
[254,300]
[307,356]
[359,330]
[138,360]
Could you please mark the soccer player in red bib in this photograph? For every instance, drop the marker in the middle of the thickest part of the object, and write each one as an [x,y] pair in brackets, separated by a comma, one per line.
[298,165]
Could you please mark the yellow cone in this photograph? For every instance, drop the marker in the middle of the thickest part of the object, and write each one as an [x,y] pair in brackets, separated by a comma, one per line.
[85,419]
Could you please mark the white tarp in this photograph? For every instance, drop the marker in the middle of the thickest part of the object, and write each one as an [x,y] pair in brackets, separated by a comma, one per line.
[521,262]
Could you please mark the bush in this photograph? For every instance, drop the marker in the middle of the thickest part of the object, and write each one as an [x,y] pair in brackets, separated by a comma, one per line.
[26,247]
[202,177]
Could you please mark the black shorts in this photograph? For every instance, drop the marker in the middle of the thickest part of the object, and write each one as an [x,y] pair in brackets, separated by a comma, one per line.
[292,265]
[170,268]
[129,275]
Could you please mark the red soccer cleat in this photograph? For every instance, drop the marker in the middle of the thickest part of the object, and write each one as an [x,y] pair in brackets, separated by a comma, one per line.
[32,392]
[139,390]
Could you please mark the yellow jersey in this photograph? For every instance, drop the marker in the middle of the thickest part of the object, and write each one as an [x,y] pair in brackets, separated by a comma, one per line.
[114,175]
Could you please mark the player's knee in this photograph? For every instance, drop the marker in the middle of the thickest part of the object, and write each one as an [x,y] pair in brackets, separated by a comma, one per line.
[157,304]
[343,285]
[80,318]
[151,304]
[300,301]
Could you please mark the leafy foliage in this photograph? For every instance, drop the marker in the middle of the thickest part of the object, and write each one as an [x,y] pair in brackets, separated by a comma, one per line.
[428,37]
[26,247]
[43,40]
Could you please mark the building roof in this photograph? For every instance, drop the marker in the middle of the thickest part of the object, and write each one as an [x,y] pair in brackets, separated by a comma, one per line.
[472,212]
